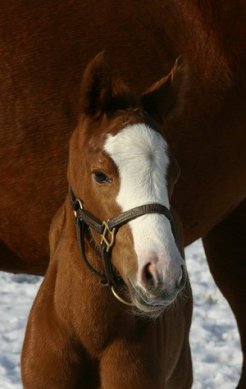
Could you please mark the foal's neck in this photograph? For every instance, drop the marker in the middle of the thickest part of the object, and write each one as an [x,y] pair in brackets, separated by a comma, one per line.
[78,292]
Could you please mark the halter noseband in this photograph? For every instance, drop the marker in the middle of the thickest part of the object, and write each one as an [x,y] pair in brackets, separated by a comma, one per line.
[107,230]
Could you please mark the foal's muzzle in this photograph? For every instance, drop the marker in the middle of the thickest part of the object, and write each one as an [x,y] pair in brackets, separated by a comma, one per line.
[154,300]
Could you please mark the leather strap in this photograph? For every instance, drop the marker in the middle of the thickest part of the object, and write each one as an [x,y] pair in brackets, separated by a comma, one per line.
[112,278]
[80,231]
[90,220]
[123,218]
[136,212]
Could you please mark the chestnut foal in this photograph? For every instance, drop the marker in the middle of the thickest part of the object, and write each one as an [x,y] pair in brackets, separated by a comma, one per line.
[79,334]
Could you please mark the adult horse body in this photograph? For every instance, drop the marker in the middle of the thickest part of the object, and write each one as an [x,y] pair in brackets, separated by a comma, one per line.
[44,48]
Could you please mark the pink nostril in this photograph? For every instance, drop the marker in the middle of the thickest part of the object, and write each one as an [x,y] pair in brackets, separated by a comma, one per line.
[150,275]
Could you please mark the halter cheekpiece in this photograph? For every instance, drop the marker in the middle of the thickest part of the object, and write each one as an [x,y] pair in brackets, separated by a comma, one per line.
[107,230]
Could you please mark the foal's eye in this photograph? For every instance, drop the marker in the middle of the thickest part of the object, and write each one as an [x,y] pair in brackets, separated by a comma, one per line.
[101,178]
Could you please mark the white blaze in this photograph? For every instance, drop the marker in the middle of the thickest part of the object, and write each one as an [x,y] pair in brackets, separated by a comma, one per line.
[141,156]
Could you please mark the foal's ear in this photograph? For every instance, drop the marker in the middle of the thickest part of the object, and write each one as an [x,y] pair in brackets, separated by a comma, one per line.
[160,99]
[96,86]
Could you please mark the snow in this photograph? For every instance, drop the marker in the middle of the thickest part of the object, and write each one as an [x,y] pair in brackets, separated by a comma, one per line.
[214,336]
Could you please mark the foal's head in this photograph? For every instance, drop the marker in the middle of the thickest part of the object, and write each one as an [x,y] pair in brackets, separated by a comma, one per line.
[119,160]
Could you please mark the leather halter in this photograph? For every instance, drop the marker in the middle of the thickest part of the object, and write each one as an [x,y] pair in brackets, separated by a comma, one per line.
[107,230]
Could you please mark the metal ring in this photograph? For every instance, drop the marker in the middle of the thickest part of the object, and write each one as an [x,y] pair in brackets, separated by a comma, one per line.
[77,201]
[120,298]
[80,203]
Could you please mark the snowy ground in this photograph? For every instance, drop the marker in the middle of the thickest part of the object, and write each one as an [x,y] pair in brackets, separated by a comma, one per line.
[214,337]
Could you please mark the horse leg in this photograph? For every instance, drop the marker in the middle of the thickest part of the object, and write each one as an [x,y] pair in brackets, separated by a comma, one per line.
[225,247]
[51,356]
[130,364]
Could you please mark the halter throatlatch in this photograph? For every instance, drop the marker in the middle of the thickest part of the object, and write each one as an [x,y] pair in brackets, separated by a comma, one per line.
[107,231]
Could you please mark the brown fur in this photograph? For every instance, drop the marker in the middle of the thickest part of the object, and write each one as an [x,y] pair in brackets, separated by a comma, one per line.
[44,48]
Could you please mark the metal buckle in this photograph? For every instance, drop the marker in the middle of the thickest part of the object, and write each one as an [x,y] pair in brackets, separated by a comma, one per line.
[107,237]
[80,206]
